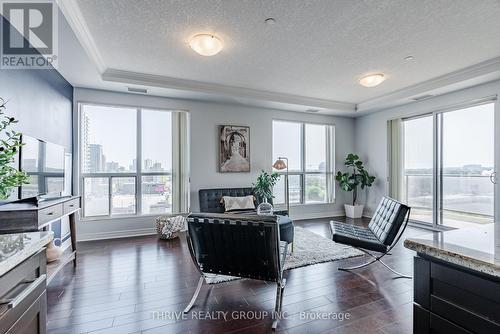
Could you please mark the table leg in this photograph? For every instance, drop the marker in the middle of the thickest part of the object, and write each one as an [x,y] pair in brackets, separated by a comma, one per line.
[72,230]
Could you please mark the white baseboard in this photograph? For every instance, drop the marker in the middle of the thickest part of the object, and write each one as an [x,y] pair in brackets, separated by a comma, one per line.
[318,215]
[116,234]
[102,235]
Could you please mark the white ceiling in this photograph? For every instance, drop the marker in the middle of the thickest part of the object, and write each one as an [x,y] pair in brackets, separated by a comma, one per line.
[313,55]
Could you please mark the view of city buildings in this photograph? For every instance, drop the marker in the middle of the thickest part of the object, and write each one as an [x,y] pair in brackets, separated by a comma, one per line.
[148,191]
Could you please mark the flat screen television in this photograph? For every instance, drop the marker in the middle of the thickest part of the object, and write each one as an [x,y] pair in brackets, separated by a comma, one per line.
[44,163]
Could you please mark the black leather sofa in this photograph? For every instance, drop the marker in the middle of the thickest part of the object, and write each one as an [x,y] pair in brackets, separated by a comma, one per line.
[210,199]
[210,202]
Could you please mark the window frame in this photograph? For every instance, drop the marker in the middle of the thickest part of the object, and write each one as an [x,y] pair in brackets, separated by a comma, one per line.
[137,175]
[330,163]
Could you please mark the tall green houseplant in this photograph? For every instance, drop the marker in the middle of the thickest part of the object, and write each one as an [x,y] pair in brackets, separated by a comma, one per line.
[10,143]
[357,176]
[263,187]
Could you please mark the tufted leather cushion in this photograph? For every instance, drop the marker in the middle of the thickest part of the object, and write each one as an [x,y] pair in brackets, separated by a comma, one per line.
[387,219]
[356,236]
[210,198]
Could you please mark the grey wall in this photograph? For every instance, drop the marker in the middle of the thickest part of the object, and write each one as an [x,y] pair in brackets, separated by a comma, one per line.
[204,148]
[204,121]
[371,133]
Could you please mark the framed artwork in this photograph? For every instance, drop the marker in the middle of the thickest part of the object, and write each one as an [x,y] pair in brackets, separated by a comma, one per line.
[234,149]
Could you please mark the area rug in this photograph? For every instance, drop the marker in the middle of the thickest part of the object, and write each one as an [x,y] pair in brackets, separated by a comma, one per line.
[309,248]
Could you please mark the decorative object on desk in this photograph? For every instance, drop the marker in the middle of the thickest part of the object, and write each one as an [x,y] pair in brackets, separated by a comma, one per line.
[280,164]
[10,177]
[53,252]
[234,151]
[351,181]
[263,189]
[169,227]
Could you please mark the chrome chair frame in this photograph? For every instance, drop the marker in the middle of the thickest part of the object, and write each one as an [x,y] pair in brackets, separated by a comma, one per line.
[377,258]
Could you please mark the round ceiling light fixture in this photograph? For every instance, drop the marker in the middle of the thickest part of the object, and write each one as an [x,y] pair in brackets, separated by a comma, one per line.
[206,44]
[270,21]
[372,80]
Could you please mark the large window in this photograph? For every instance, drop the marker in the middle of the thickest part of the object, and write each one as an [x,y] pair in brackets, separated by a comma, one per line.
[126,160]
[309,150]
[447,172]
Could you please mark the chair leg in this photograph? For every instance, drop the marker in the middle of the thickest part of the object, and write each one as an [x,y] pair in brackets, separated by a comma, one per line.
[359,266]
[195,295]
[394,271]
[375,259]
[280,288]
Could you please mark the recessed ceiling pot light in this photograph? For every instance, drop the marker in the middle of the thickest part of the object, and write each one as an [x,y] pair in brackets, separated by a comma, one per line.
[206,44]
[372,80]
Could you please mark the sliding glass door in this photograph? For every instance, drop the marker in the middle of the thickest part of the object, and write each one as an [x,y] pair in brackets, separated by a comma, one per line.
[466,166]
[447,169]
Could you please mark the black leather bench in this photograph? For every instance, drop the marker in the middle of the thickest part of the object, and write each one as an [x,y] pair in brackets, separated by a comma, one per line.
[210,202]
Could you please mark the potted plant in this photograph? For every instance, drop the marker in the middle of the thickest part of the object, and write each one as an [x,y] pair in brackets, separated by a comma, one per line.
[263,189]
[10,143]
[356,177]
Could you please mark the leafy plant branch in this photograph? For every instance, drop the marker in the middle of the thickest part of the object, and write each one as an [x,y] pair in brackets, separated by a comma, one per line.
[10,143]
[358,178]
[263,186]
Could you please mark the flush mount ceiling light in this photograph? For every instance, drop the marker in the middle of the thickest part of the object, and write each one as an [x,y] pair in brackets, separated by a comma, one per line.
[372,80]
[270,21]
[206,44]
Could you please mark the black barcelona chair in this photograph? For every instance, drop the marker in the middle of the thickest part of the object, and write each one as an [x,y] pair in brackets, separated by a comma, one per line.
[383,232]
[238,245]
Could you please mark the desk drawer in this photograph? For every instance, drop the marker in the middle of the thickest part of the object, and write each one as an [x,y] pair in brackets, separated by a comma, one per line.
[71,206]
[51,213]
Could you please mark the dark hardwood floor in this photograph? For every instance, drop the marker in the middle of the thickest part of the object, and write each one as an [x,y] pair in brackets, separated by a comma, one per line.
[141,284]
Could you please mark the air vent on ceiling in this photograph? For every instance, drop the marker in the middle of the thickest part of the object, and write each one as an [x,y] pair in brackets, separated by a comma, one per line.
[137,90]
[422,97]
[312,110]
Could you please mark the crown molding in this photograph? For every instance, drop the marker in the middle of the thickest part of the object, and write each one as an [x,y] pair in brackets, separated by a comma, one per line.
[403,96]
[470,76]
[153,80]
[73,15]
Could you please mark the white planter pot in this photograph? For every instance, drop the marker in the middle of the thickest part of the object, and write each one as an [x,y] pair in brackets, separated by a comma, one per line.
[354,211]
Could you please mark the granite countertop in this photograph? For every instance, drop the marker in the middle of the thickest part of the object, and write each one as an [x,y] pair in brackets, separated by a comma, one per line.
[17,247]
[476,248]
